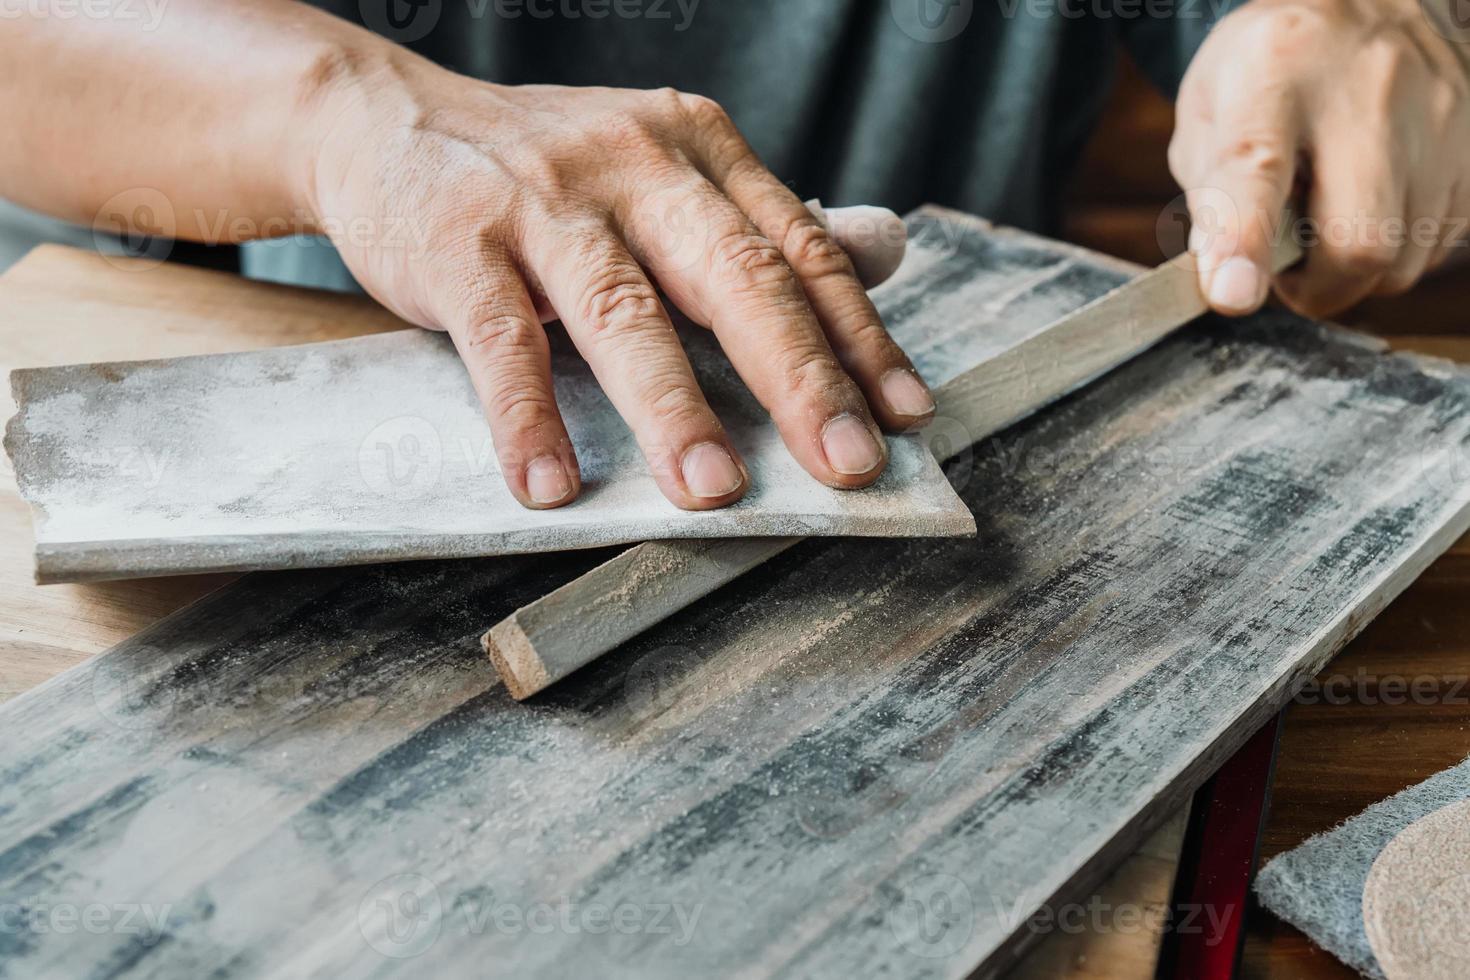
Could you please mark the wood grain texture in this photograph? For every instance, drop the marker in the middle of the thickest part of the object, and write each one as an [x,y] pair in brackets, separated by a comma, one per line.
[870,757]
[564,631]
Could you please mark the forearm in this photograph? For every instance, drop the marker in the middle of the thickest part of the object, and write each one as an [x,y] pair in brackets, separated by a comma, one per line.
[216,107]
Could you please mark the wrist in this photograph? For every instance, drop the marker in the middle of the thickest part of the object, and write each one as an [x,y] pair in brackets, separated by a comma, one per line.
[352,92]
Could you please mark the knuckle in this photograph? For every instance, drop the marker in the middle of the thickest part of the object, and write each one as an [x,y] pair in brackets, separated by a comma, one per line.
[704,112]
[503,334]
[1177,158]
[521,405]
[677,405]
[630,132]
[1255,155]
[812,372]
[1281,33]
[1396,283]
[813,251]
[746,257]
[618,301]
[666,102]
[1444,101]
[868,334]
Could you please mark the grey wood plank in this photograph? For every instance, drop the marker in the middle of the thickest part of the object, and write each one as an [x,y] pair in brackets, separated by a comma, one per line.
[865,758]
[567,629]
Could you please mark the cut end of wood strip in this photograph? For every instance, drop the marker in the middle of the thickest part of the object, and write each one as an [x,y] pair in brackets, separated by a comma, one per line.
[515,660]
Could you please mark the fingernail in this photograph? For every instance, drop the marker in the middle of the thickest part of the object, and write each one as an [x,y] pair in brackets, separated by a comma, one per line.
[547,480]
[1237,285]
[710,471]
[906,394]
[850,446]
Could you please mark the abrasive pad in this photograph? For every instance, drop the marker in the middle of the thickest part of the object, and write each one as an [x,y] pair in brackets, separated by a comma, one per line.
[1318,886]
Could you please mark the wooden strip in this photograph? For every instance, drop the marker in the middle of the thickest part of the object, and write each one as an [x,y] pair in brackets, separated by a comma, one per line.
[572,626]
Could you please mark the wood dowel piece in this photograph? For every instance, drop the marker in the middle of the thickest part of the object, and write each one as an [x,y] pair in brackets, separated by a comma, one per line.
[545,641]
[567,629]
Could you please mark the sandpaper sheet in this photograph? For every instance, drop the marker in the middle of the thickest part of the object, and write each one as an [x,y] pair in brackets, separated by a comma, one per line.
[376,449]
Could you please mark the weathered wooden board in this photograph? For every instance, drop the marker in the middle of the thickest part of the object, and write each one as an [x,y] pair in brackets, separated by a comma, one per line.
[866,758]
[567,629]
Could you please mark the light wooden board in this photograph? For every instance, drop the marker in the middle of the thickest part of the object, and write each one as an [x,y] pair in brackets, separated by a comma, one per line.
[866,758]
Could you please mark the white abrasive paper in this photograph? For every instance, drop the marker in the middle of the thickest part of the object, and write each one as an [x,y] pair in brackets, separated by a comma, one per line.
[376,449]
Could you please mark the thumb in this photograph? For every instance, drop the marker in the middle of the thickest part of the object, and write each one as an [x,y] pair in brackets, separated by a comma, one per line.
[874,238]
[1241,168]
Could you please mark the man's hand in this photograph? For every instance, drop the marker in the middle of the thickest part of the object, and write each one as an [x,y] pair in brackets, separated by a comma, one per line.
[1362,103]
[540,202]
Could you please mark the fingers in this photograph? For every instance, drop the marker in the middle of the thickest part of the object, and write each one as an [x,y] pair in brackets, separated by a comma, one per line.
[894,391]
[874,238]
[1234,151]
[729,276]
[615,318]
[499,338]
[826,275]
[1357,201]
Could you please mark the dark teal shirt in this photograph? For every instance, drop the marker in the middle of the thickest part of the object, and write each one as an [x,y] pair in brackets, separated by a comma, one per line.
[981,105]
